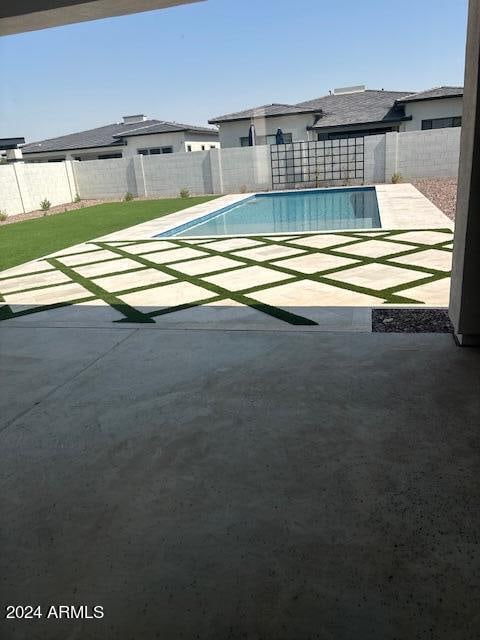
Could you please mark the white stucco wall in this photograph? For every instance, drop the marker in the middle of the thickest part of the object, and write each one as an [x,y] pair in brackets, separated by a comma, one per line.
[426,109]
[175,140]
[414,154]
[10,197]
[231,132]
[374,159]
[41,181]
[246,168]
[166,175]
[24,186]
[424,154]
[105,178]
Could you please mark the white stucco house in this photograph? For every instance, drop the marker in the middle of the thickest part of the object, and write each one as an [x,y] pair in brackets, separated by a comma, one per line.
[134,135]
[345,112]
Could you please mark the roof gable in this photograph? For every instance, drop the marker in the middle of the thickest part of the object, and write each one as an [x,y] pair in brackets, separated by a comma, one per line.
[265,111]
[167,127]
[109,135]
[433,94]
[335,109]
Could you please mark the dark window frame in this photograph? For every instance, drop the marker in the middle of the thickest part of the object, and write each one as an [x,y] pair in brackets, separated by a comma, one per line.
[154,151]
[109,156]
[441,123]
[270,138]
[357,133]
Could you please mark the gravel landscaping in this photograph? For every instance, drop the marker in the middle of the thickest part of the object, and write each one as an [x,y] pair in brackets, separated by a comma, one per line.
[441,191]
[411,321]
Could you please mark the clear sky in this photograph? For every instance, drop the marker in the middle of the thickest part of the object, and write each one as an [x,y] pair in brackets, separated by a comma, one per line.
[192,62]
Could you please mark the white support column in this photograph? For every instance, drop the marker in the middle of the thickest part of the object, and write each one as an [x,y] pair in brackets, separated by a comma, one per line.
[216,169]
[139,171]
[21,184]
[70,180]
[465,289]
[391,146]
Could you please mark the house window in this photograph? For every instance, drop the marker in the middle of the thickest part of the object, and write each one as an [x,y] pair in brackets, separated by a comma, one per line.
[212,146]
[155,151]
[442,123]
[270,139]
[203,147]
[109,156]
[189,147]
[358,133]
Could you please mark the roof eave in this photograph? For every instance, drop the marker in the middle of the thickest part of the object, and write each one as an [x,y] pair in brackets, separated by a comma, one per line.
[421,99]
[159,133]
[146,133]
[315,127]
[270,115]
[97,146]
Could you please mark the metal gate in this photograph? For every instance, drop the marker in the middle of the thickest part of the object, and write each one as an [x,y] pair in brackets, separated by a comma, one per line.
[318,163]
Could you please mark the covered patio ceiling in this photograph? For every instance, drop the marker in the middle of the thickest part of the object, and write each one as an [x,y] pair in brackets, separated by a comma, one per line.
[30,15]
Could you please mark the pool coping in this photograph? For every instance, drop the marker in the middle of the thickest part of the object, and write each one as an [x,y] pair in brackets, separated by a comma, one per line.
[214,214]
[401,206]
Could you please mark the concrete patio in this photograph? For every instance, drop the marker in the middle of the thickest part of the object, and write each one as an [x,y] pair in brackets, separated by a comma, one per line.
[231,484]
[204,437]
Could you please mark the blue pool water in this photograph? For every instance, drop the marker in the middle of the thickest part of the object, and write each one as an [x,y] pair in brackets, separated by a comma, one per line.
[293,211]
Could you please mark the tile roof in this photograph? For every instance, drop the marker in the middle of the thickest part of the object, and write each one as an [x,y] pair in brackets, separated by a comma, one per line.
[346,108]
[433,94]
[110,135]
[357,108]
[161,126]
[266,110]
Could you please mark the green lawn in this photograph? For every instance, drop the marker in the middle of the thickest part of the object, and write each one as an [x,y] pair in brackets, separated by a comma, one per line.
[32,239]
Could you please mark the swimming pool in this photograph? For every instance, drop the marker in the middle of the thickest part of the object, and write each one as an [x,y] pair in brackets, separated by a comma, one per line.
[287,212]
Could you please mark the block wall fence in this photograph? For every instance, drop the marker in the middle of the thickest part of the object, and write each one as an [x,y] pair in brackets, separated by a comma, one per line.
[413,154]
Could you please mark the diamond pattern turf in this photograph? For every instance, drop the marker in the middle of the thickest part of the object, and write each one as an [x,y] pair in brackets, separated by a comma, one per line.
[281,276]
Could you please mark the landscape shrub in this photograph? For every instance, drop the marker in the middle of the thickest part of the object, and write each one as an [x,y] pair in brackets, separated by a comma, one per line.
[45,206]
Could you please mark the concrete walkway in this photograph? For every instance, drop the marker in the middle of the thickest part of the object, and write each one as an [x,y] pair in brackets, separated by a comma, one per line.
[231,484]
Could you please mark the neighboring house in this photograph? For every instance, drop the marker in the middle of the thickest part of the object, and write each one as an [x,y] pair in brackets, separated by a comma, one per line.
[9,151]
[346,112]
[135,135]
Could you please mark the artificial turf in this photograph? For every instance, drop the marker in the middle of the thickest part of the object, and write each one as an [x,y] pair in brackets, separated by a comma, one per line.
[24,241]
